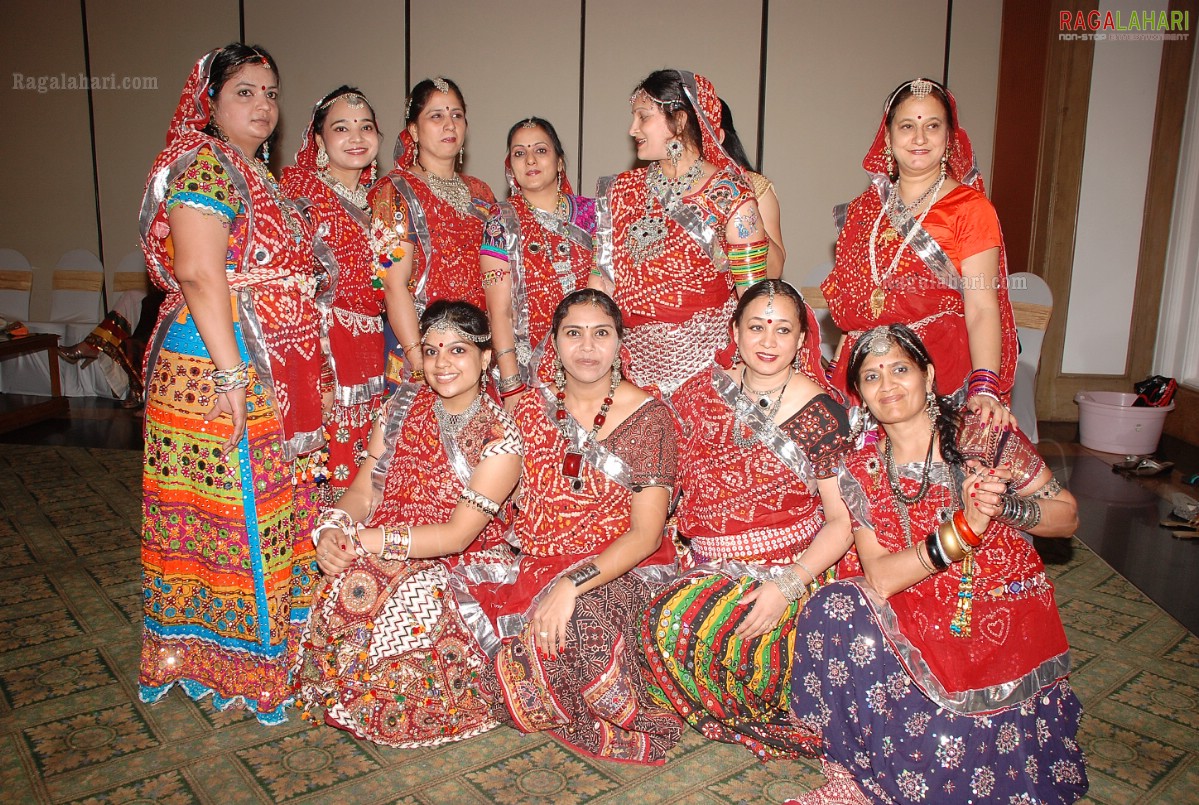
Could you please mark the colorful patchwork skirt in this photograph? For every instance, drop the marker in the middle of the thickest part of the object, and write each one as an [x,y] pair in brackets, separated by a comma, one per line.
[731,690]
[228,562]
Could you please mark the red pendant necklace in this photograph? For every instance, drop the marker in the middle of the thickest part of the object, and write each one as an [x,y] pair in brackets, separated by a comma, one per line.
[572,462]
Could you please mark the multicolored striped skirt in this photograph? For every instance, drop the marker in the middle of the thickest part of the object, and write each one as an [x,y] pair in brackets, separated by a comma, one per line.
[226,548]
[731,690]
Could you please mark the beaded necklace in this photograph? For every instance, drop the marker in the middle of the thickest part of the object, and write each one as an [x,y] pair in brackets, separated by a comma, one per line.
[572,462]
[878,296]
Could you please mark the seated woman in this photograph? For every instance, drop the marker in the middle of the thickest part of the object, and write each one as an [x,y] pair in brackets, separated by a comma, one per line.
[942,674]
[598,475]
[765,521]
[398,649]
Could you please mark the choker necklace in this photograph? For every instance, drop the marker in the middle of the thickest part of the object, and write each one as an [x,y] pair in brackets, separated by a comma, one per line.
[647,232]
[453,423]
[357,196]
[572,462]
[452,191]
[764,401]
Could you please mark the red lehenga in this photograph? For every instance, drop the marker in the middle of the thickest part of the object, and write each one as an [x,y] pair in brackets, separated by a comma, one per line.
[678,301]
[749,509]
[351,310]
[595,695]
[924,289]
[228,568]
[399,652]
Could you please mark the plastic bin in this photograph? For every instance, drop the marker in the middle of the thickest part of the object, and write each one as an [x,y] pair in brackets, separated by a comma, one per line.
[1108,422]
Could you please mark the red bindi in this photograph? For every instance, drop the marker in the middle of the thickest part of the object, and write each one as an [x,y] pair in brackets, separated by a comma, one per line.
[920,117]
[440,345]
[770,321]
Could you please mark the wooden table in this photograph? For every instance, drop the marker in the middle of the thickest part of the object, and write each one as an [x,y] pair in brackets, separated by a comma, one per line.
[15,417]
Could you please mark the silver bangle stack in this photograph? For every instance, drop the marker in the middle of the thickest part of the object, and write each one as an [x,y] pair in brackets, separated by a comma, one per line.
[1020,512]
[235,377]
[509,383]
[790,584]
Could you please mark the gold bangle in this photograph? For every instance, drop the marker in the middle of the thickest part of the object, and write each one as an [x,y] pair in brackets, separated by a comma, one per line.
[951,543]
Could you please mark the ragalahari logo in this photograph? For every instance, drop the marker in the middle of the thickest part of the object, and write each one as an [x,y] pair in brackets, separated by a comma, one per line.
[1115,26]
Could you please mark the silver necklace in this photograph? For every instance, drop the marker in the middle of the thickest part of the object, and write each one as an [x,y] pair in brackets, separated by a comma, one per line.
[902,500]
[647,232]
[453,423]
[357,196]
[764,401]
[557,250]
[452,191]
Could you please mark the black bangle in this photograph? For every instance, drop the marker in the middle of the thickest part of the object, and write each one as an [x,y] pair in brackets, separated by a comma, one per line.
[933,545]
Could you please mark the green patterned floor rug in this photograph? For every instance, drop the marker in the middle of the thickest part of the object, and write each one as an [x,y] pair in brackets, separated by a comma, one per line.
[72,728]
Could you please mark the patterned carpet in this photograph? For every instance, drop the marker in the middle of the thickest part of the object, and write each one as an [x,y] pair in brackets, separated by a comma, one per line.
[72,729]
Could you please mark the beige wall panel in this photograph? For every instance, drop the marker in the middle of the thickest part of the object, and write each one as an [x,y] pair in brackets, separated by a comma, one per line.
[320,46]
[629,39]
[830,67]
[48,207]
[511,61]
[155,46]
[974,73]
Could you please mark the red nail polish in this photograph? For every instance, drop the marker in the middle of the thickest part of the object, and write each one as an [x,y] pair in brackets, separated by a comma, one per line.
[972,494]
[976,487]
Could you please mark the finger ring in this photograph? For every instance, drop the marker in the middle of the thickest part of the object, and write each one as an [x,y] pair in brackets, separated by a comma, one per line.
[543,634]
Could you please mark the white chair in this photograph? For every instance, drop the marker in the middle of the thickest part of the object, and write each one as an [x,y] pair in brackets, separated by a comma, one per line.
[16,278]
[1032,307]
[130,276]
[75,308]
[75,297]
[830,334]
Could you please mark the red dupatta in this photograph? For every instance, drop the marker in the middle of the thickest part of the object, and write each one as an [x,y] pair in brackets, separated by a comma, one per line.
[914,293]
[274,282]
[356,345]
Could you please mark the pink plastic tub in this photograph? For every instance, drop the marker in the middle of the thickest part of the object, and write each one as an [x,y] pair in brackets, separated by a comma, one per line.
[1107,422]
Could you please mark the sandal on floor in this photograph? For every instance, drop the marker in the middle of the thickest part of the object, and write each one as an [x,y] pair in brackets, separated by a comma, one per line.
[1142,467]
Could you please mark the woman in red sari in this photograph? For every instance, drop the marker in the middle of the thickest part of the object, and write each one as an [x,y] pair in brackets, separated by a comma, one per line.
[764,521]
[233,409]
[922,247]
[537,248]
[676,238]
[941,675]
[427,220]
[334,168]
[598,476]
[398,649]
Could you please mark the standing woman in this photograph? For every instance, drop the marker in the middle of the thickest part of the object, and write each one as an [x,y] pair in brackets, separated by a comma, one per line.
[334,168]
[768,199]
[941,675]
[598,475]
[922,247]
[764,521]
[427,220]
[676,238]
[233,404]
[536,249]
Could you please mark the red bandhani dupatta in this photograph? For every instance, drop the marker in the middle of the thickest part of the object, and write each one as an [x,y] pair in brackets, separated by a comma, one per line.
[351,315]
[274,282]
[924,291]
